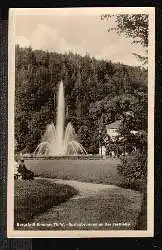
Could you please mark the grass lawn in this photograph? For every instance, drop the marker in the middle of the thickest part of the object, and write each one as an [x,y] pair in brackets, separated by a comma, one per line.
[111,206]
[96,171]
[45,201]
[37,196]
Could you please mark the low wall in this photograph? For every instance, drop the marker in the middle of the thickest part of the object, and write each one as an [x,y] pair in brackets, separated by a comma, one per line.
[68,157]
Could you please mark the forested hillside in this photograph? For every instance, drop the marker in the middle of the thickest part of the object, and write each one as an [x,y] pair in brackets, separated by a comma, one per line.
[97,92]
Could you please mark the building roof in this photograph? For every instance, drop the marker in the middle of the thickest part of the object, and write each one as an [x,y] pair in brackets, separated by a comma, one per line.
[114,125]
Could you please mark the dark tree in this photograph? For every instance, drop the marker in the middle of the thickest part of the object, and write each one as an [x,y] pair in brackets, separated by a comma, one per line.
[135,27]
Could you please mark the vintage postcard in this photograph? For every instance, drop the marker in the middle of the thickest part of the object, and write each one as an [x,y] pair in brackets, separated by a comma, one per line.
[81,122]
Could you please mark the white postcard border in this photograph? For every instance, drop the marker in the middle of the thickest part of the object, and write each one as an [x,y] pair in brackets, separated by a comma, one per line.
[11,233]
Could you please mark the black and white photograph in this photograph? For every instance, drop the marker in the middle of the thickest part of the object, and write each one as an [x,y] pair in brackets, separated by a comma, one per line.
[81,122]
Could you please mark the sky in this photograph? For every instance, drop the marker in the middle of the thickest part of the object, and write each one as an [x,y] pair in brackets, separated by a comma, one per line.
[77,33]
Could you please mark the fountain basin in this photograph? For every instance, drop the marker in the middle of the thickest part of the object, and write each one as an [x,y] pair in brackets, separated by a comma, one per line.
[63,157]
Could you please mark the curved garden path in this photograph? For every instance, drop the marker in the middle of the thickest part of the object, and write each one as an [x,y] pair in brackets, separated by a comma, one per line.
[95,204]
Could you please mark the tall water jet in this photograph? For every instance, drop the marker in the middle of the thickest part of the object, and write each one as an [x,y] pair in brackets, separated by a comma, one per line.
[55,142]
[60,119]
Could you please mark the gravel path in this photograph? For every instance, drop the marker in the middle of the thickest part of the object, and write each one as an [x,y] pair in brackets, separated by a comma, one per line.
[85,189]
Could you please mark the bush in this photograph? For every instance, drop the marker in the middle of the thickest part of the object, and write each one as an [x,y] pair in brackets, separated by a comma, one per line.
[133,169]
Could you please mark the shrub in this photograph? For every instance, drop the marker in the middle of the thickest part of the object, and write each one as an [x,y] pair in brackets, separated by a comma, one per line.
[133,169]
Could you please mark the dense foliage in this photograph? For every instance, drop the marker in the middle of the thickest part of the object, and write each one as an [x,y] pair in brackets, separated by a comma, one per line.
[97,92]
[134,171]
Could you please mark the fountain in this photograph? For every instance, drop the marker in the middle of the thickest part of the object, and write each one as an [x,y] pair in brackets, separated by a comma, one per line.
[55,142]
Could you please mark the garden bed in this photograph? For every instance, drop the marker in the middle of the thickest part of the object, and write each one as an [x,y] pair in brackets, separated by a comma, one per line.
[37,196]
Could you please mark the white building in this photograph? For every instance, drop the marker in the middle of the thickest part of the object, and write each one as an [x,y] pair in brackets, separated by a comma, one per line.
[112,129]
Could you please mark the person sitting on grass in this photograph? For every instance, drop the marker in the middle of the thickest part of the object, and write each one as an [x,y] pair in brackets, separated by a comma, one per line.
[25,173]
[17,175]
